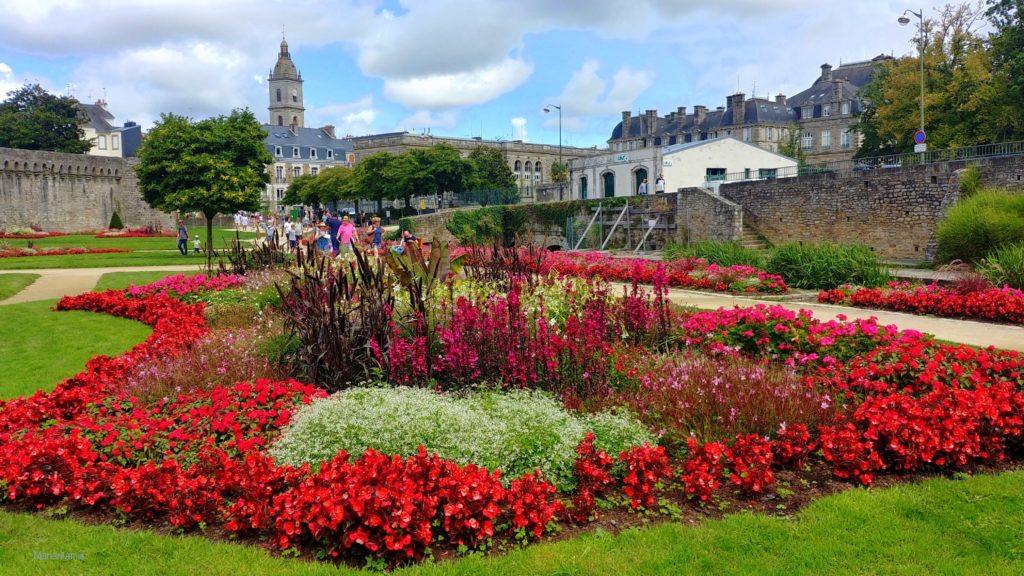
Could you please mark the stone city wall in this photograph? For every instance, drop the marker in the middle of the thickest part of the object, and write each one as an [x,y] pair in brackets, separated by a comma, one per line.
[894,211]
[707,216]
[71,192]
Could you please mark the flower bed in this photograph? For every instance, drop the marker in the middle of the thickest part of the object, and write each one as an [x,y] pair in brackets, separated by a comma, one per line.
[685,273]
[181,286]
[8,252]
[33,235]
[136,234]
[995,304]
[755,393]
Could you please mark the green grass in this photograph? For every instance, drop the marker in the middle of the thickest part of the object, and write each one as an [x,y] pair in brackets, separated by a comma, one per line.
[11,284]
[220,237]
[49,346]
[117,259]
[941,526]
[121,280]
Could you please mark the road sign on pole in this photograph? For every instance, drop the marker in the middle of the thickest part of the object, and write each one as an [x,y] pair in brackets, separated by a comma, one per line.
[920,137]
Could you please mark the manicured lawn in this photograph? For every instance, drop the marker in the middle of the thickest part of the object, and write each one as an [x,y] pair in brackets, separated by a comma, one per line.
[220,237]
[168,258]
[942,526]
[40,347]
[11,284]
[121,280]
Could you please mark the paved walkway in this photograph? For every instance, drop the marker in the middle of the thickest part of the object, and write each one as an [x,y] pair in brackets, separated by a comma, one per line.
[57,282]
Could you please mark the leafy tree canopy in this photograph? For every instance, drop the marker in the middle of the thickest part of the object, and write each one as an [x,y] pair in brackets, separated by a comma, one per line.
[33,119]
[490,170]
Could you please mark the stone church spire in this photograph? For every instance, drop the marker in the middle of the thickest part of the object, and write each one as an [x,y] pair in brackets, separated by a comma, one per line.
[285,82]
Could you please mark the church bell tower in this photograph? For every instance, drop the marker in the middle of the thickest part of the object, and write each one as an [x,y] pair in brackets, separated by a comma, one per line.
[285,84]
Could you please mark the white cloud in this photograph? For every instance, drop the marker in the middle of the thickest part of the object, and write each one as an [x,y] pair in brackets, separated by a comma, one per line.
[351,118]
[422,120]
[461,89]
[587,94]
[519,129]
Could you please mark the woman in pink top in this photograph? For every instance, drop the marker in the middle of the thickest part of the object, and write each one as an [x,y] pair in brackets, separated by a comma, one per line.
[345,233]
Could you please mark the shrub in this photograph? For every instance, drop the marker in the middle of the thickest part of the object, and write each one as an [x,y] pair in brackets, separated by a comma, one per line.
[1004,266]
[976,226]
[713,252]
[824,266]
[115,221]
[517,432]
[970,181]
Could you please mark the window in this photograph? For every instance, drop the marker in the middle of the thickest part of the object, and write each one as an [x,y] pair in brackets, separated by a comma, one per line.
[771,133]
[518,167]
[766,173]
[746,173]
[330,154]
[746,134]
[537,171]
[115,142]
[280,120]
[583,187]
[807,141]
[844,108]
[297,171]
[632,145]
[295,152]
[529,167]
[826,139]
[279,172]
[277,151]
[826,110]
[713,174]
[101,142]
[295,120]
[314,170]
[844,139]
[295,95]
[280,193]
[278,96]
[312,152]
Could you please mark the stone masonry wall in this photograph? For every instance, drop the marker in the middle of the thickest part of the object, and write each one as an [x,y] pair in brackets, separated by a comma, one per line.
[894,211]
[70,192]
[707,216]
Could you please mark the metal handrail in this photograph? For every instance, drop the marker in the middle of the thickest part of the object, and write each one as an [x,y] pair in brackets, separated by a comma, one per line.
[883,162]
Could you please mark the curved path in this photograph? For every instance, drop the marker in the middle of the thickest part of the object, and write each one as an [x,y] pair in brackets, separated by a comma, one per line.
[57,282]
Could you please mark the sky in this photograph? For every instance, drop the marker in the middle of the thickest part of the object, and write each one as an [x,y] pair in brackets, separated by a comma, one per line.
[462,68]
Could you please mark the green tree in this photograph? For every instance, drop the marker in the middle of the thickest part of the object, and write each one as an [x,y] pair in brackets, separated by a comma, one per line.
[790,144]
[370,179]
[490,170]
[33,119]
[1007,57]
[299,190]
[214,166]
[559,172]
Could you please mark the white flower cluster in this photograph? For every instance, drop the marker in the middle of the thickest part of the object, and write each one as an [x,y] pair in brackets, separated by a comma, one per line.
[515,431]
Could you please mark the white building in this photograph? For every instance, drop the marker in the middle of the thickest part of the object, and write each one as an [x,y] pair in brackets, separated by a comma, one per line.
[704,163]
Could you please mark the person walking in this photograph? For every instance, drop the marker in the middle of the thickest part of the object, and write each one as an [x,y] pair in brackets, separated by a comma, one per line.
[333,225]
[289,232]
[659,184]
[376,234]
[345,234]
[182,238]
[322,238]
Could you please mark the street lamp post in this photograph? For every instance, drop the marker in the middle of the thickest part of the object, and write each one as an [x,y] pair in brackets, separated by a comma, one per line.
[903,21]
[547,109]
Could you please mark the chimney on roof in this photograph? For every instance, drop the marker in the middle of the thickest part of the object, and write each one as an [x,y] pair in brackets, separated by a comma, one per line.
[826,72]
[699,113]
[780,99]
[627,123]
[294,128]
[837,89]
[652,121]
[101,102]
[329,130]
[681,112]
[739,110]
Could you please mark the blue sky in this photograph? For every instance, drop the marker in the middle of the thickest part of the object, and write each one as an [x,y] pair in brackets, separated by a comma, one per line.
[457,67]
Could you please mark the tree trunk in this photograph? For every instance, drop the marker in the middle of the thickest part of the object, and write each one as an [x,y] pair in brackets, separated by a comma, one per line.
[209,240]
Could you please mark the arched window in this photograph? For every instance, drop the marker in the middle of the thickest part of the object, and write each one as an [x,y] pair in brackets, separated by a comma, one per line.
[583,187]
[278,94]
[529,167]
[280,120]
[537,171]
[609,184]
[295,95]
[518,167]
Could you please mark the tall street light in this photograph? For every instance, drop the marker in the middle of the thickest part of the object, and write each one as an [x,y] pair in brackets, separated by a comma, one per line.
[903,21]
[547,109]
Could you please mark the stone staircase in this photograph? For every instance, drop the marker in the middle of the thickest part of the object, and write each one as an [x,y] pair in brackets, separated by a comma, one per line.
[752,240]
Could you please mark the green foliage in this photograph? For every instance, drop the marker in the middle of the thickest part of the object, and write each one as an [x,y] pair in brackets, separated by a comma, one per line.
[559,172]
[824,266]
[486,225]
[721,253]
[790,144]
[490,170]
[1004,266]
[1002,114]
[970,181]
[115,221]
[516,431]
[976,226]
[214,166]
[33,119]
[406,224]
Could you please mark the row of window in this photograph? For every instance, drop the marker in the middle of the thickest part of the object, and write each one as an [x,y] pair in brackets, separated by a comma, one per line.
[115,142]
[530,167]
[807,140]
[821,110]
[295,95]
[296,171]
[279,152]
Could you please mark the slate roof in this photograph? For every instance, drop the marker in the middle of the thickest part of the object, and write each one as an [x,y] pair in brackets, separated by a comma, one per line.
[756,110]
[304,139]
[99,117]
[856,74]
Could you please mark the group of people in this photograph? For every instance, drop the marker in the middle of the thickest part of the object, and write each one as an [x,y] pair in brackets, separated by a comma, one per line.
[333,234]
[659,186]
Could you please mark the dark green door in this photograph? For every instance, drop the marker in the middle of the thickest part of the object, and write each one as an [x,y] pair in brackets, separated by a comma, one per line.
[583,188]
[609,185]
[639,176]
